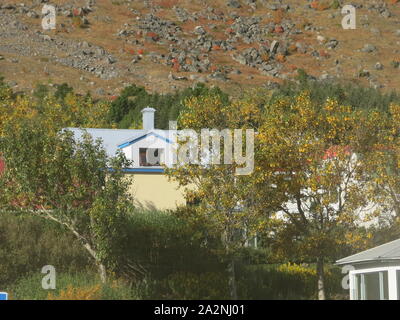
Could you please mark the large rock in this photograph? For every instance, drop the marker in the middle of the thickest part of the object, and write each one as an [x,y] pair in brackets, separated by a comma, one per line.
[199,30]
[368,48]
[234,4]
[274,47]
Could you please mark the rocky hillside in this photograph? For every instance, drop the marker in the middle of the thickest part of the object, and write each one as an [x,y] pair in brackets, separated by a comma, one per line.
[103,45]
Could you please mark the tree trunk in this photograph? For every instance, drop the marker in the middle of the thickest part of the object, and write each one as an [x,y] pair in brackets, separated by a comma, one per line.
[321,280]
[102,272]
[100,266]
[232,280]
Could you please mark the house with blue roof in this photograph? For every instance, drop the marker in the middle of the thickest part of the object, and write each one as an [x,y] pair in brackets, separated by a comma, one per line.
[150,150]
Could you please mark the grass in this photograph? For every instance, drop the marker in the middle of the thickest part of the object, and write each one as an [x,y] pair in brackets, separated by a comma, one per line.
[78,286]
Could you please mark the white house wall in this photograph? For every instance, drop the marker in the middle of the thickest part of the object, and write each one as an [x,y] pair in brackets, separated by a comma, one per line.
[151,141]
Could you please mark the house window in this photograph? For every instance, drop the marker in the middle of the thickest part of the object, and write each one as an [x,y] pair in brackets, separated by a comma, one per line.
[372,286]
[149,157]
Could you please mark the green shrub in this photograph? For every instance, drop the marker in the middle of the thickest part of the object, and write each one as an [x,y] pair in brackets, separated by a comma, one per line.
[253,256]
[285,282]
[350,94]
[190,286]
[62,91]
[164,244]
[41,91]
[185,286]
[29,243]
[335,4]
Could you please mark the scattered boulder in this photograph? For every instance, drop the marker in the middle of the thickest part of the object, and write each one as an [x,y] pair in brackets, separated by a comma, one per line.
[217,75]
[378,66]
[234,4]
[332,44]
[199,30]
[32,14]
[100,91]
[363,74]
[271,85]
[368,48]
[177,78]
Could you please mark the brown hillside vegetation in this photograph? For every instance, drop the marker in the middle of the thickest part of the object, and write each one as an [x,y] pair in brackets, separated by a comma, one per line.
[103,45]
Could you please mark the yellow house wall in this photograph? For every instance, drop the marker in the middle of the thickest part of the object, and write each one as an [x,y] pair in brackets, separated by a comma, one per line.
[154,191]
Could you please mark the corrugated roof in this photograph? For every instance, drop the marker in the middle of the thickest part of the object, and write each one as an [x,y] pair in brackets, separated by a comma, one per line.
[387,251]
[111,138]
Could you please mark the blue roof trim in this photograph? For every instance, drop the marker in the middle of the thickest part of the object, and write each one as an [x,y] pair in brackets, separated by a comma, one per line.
[145,170]
[126,144]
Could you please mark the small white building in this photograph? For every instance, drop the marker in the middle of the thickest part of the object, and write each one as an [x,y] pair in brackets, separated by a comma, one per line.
[375,273]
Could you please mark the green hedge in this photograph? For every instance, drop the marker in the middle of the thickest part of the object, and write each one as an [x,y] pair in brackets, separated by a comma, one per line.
[286,281]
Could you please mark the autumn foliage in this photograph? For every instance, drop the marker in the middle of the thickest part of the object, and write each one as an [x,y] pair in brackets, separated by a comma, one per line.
[71,293]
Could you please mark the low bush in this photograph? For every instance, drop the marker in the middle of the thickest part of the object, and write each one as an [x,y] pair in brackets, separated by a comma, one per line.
[191,286]
[285,282]
[71,286]
[164,244]
[71,293]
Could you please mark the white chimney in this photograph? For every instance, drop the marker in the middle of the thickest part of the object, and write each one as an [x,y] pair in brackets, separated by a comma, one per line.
[148,118]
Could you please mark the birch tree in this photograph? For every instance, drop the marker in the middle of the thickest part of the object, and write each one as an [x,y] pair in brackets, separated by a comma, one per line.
[73,183]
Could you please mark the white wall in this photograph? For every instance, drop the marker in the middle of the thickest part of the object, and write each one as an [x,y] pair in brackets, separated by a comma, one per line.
[151,141]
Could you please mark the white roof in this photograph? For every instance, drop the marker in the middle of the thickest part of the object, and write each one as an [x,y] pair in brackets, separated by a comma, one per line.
[112,138]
